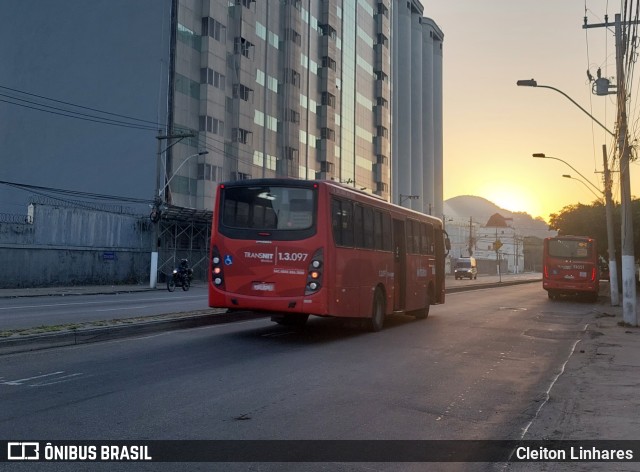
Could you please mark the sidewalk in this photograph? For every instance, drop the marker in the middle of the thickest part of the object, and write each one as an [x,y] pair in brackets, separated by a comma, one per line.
[596,396]
[75,290]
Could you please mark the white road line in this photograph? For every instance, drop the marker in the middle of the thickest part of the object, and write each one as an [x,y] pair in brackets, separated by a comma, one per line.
[21,381]
[58,380]
[119,309]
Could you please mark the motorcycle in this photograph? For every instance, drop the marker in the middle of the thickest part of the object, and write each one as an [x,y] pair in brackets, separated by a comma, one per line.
[180,277]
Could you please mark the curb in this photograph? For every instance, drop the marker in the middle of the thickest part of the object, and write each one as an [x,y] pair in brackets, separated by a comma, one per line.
[73,337]
[141,326]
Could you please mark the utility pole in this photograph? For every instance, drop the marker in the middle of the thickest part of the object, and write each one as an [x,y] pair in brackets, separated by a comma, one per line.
[158,200]
[629,314]
[613,264]
[470,236]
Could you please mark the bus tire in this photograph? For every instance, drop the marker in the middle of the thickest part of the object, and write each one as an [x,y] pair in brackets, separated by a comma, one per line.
[291,320]
[377,316]
[423,313]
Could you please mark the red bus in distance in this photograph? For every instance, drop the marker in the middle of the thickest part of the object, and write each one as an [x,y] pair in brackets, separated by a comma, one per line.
[295,248]
[570,267]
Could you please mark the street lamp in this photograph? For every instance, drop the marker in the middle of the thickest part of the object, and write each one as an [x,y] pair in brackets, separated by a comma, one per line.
[541,155]
[533,83]
[408,197]
[166,185]
[567,176]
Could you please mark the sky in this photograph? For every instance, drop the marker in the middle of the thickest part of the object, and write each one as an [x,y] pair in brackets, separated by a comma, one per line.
[492,127]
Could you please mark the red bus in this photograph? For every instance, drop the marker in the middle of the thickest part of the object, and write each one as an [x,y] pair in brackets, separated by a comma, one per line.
[571,267]
[299,247]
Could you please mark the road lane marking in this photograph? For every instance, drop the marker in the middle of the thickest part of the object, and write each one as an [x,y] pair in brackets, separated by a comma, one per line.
[57,380]
[128,308]
[21,381]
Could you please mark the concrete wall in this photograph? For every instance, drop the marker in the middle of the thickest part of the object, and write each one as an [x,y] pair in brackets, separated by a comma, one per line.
[74,246]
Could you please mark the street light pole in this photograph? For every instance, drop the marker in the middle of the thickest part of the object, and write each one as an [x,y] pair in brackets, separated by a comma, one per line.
[157,203]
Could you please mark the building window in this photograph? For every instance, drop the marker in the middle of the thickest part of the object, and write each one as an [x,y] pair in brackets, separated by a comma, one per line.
[381,76]
[292,77]
[292,116]
[382,131]
[382,102]
[214,29]
[290,153]
[293,36]
[328,62]
[240,135]
[245,3]
[212,125]
[327,133]
[382,39]
[243,92]
[328,99]
[328,30]
[244,47]
[211,77]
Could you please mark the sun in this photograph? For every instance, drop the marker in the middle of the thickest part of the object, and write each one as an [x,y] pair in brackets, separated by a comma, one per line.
[513,199]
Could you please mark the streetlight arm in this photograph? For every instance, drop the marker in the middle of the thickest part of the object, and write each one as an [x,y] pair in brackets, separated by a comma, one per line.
[543,156]
[576,104]
[176,171]
[533,83]
[567,176]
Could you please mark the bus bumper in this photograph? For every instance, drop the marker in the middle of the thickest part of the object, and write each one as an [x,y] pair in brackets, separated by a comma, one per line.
[311,304]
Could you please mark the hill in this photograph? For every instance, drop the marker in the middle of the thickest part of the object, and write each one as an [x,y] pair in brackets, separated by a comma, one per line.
[481,209]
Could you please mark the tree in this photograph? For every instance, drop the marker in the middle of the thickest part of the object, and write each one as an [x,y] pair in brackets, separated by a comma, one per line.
[590,220]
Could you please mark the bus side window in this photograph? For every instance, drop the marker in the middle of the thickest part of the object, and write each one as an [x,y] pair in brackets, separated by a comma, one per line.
[342,222]
[358,225]
[387,236]
[409,236]
[377,229]
[368,228]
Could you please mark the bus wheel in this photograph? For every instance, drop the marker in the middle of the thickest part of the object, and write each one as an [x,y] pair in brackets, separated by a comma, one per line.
[422,313]
[290,320]
[377,316]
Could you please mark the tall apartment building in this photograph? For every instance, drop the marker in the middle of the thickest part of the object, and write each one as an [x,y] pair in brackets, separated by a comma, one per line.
[293,88]
[417,151]
[341,89]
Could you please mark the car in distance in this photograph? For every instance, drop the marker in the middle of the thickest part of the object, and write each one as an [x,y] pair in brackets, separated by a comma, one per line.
[466,267]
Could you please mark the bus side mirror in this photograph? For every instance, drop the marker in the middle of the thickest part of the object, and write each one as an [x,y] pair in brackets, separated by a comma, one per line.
[447,243]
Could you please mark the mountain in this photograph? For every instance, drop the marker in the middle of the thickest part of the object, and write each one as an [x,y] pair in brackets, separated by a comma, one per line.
[481,209]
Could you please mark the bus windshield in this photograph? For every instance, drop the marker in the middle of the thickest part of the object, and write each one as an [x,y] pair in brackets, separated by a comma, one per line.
[570,249]
[268,208]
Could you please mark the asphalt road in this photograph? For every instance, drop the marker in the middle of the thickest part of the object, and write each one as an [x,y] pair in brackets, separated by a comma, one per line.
[29,312]
[478,368]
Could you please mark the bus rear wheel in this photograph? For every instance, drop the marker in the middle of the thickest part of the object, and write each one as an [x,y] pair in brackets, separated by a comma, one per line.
[291,319]
[423,313]
[377,316]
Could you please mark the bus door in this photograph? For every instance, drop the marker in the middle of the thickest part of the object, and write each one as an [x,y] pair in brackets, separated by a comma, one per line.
[399,265]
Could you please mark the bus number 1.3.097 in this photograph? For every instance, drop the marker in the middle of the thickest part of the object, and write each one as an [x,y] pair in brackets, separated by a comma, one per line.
[292,256]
